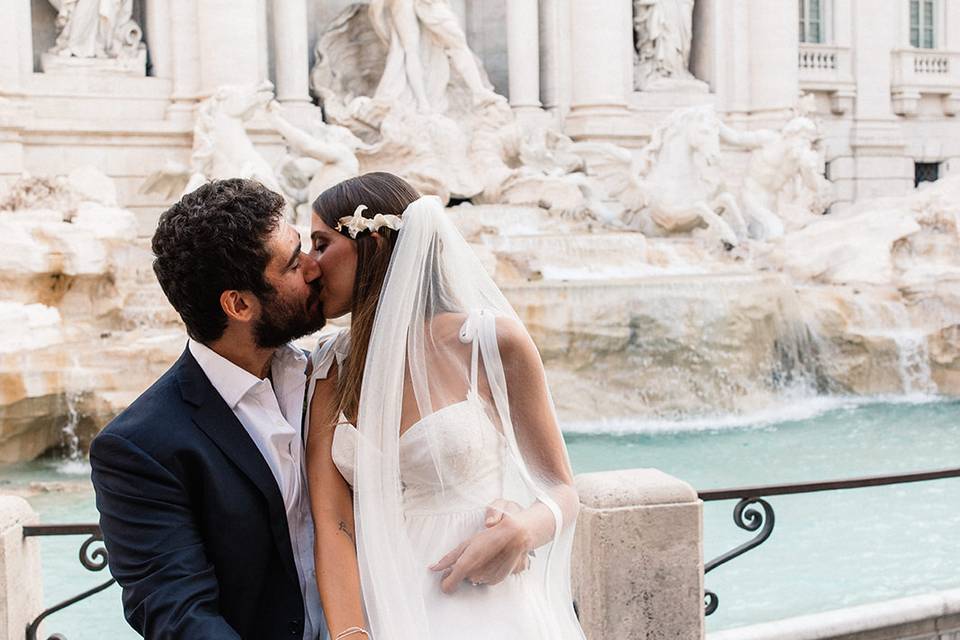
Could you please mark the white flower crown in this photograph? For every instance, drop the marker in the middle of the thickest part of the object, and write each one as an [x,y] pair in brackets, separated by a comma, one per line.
[357,223]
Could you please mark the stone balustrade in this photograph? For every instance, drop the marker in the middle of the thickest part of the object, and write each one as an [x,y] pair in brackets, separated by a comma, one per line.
[828,69]
[917,72]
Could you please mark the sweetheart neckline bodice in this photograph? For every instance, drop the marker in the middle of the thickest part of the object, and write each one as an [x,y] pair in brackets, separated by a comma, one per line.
[418,423]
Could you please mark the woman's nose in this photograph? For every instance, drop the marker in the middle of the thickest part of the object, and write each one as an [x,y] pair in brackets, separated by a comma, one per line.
[311,268]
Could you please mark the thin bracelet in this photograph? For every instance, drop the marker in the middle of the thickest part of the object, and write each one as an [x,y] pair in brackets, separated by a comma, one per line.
[351,631]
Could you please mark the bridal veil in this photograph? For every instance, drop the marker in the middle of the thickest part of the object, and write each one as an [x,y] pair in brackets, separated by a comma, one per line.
[436,303]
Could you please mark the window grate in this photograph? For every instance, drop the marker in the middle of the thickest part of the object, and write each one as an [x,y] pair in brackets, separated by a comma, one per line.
[925,172]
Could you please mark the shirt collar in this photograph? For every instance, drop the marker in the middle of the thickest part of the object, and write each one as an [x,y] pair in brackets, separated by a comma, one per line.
[233,382]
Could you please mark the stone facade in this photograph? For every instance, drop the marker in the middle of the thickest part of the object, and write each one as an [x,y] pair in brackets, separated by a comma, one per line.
[882,104]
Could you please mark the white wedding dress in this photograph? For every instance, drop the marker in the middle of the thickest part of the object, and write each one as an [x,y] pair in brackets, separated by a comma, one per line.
[441,331]
[441,511]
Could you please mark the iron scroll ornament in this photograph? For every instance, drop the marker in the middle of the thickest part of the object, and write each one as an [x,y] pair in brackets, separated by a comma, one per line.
[91,557]
[749,518]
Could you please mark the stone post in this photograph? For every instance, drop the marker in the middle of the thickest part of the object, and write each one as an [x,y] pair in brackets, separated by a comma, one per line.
[292,53]
[20,581]
[637,557]
[523,54]
[601,53]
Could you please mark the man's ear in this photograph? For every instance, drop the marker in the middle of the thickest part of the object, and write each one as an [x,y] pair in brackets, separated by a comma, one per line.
[238,305]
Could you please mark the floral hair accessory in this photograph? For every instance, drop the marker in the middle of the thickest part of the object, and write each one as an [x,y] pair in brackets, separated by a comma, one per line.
[357,223]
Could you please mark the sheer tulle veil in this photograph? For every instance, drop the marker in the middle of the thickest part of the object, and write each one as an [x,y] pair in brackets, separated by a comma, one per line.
[436,298]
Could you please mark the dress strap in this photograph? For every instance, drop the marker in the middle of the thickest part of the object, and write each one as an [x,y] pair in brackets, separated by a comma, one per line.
[470,332]
[474,364]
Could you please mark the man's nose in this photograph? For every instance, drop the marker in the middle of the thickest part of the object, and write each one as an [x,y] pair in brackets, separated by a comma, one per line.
[311,268]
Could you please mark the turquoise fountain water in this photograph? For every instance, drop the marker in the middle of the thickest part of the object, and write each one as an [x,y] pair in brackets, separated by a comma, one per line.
[828,550]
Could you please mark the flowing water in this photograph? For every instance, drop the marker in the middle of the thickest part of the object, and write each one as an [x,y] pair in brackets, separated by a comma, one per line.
[828,550]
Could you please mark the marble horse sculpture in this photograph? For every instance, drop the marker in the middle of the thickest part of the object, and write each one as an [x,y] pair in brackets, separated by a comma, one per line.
[675,184]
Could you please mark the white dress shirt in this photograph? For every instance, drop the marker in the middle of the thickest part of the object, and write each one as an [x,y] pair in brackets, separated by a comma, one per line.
[272,414]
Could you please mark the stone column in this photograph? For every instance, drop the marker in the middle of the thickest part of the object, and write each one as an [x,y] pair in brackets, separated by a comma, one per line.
[637,556]
[16,51]
[20,579]
[879,166]
[555,55]
[291,52]
[601,43]
[774,50]
[523,54]
[159,45]
[232,43]
[16,64]
[185,59]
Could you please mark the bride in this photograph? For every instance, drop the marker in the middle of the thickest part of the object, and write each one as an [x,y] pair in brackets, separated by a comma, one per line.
[441,489]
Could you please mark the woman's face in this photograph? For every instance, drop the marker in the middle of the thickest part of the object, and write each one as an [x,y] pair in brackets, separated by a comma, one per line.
[336,255]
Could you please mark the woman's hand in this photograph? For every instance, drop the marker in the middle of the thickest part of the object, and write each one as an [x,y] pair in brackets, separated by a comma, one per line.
[491,555]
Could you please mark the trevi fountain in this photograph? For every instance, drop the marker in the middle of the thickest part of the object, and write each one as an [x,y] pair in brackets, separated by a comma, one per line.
[705,299]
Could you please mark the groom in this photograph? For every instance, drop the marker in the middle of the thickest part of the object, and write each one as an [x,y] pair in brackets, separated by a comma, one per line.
[200,483]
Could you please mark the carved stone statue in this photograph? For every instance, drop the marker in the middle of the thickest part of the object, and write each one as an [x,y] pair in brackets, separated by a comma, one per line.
[421,37]
[783,184]
[101,30]
[675,184]
[221,146]
[319,156]
[663,30]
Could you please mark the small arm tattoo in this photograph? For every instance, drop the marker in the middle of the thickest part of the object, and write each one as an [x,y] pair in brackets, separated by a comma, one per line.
[343,527]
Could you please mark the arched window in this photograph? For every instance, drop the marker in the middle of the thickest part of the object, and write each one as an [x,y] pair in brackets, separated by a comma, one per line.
[923,24]
[811,21]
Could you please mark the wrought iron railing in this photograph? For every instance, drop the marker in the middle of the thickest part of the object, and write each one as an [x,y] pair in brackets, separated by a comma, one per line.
[748,517]
[93,558]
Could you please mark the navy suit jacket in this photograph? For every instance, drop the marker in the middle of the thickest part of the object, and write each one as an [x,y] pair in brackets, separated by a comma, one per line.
[192,518]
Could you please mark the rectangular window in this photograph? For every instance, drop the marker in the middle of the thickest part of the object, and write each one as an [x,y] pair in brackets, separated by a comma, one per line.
[811,21]
[925,172]
[923,24]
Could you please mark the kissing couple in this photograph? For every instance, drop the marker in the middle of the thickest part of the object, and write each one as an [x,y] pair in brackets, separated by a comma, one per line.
[406,480]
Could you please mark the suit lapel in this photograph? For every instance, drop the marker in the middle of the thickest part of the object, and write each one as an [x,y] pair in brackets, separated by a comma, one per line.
[218,422]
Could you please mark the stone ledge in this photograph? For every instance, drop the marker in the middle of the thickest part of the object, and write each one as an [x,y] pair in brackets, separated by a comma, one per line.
[631,488]
[929,616]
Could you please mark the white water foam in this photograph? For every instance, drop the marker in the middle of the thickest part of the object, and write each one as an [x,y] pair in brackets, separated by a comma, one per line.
[794,411]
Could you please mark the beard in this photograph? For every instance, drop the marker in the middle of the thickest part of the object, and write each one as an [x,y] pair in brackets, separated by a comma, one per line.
[282,320]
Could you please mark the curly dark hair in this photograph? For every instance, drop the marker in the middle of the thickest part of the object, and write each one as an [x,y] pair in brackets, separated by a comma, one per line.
[214,240]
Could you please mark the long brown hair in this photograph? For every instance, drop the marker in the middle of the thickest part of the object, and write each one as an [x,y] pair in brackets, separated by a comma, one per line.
[382,193]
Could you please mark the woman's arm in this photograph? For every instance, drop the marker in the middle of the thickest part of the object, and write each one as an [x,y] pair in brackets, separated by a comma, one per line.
[502,548]
[537,432]
[335,553]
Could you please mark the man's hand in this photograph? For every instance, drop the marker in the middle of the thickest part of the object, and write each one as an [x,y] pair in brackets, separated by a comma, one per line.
[491,555]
